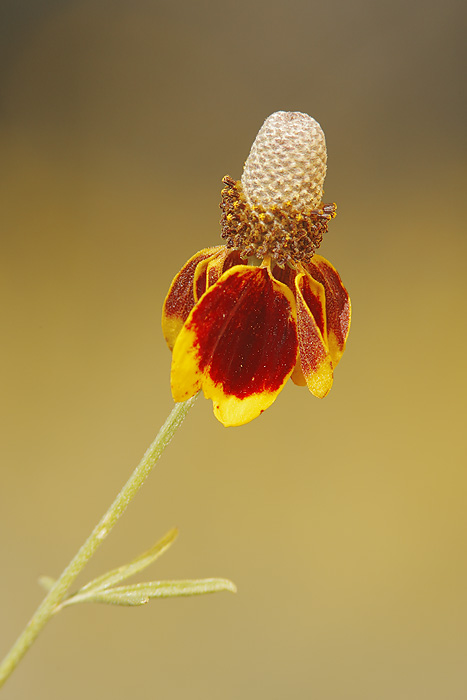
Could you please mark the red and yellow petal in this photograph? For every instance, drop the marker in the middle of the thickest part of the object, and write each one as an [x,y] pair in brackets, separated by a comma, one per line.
[181,297]
[200,279]
[286,275]
[220,264]
[239,344]
[210,269]
[315,367]
[338,309]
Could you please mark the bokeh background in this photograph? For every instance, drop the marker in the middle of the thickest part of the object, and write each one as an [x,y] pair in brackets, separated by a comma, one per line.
[343,522]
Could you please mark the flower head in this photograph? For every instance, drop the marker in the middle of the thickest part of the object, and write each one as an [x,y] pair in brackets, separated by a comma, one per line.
[238,330]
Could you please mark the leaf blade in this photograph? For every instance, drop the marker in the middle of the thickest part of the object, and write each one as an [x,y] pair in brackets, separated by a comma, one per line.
[133,567]
[141,593]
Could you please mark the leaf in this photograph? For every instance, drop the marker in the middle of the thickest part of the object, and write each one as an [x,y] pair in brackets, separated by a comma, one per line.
[141,593]
[133,567]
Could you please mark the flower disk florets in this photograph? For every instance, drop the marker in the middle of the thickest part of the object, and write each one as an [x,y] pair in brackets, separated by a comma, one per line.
[275,210]
[280,233]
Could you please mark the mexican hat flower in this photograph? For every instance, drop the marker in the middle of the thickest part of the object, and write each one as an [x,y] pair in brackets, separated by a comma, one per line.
[243,317]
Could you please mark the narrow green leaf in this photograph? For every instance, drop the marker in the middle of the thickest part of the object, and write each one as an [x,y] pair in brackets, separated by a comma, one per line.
[170,589]
[141,593]
[111,597]
[133,567]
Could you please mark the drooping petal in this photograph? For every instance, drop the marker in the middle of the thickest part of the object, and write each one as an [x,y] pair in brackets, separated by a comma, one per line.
[210,269]
[337,304]
[315,360]
[200,279]
[180,299]
[239,344]
[217,266]
[287,275]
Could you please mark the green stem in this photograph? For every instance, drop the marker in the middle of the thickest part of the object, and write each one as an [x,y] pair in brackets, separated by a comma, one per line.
[57,593]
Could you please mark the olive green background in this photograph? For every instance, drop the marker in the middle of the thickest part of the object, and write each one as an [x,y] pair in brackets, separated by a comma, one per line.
[343,522]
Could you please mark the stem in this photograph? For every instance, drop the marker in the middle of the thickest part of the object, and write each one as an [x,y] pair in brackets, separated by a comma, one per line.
[57,593]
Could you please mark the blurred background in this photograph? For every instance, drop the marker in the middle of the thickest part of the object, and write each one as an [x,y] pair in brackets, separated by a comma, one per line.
[343,522]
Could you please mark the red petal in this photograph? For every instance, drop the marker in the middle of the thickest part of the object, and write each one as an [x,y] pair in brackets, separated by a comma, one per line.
[221,264]
[239,344]
[337,304]
[200,277]
[315,360]
[286,275]
[180,299]
[210,270]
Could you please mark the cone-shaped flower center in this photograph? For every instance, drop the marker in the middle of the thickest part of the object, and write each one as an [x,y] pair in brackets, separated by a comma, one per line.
[287,163]
[275,210]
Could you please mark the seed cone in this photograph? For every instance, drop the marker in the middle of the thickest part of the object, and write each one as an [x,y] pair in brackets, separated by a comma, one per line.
[287,163]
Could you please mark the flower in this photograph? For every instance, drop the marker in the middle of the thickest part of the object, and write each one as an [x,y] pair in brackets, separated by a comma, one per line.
[239,330]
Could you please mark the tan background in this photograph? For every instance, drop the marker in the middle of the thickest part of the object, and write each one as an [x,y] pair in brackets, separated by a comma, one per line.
[343,522]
